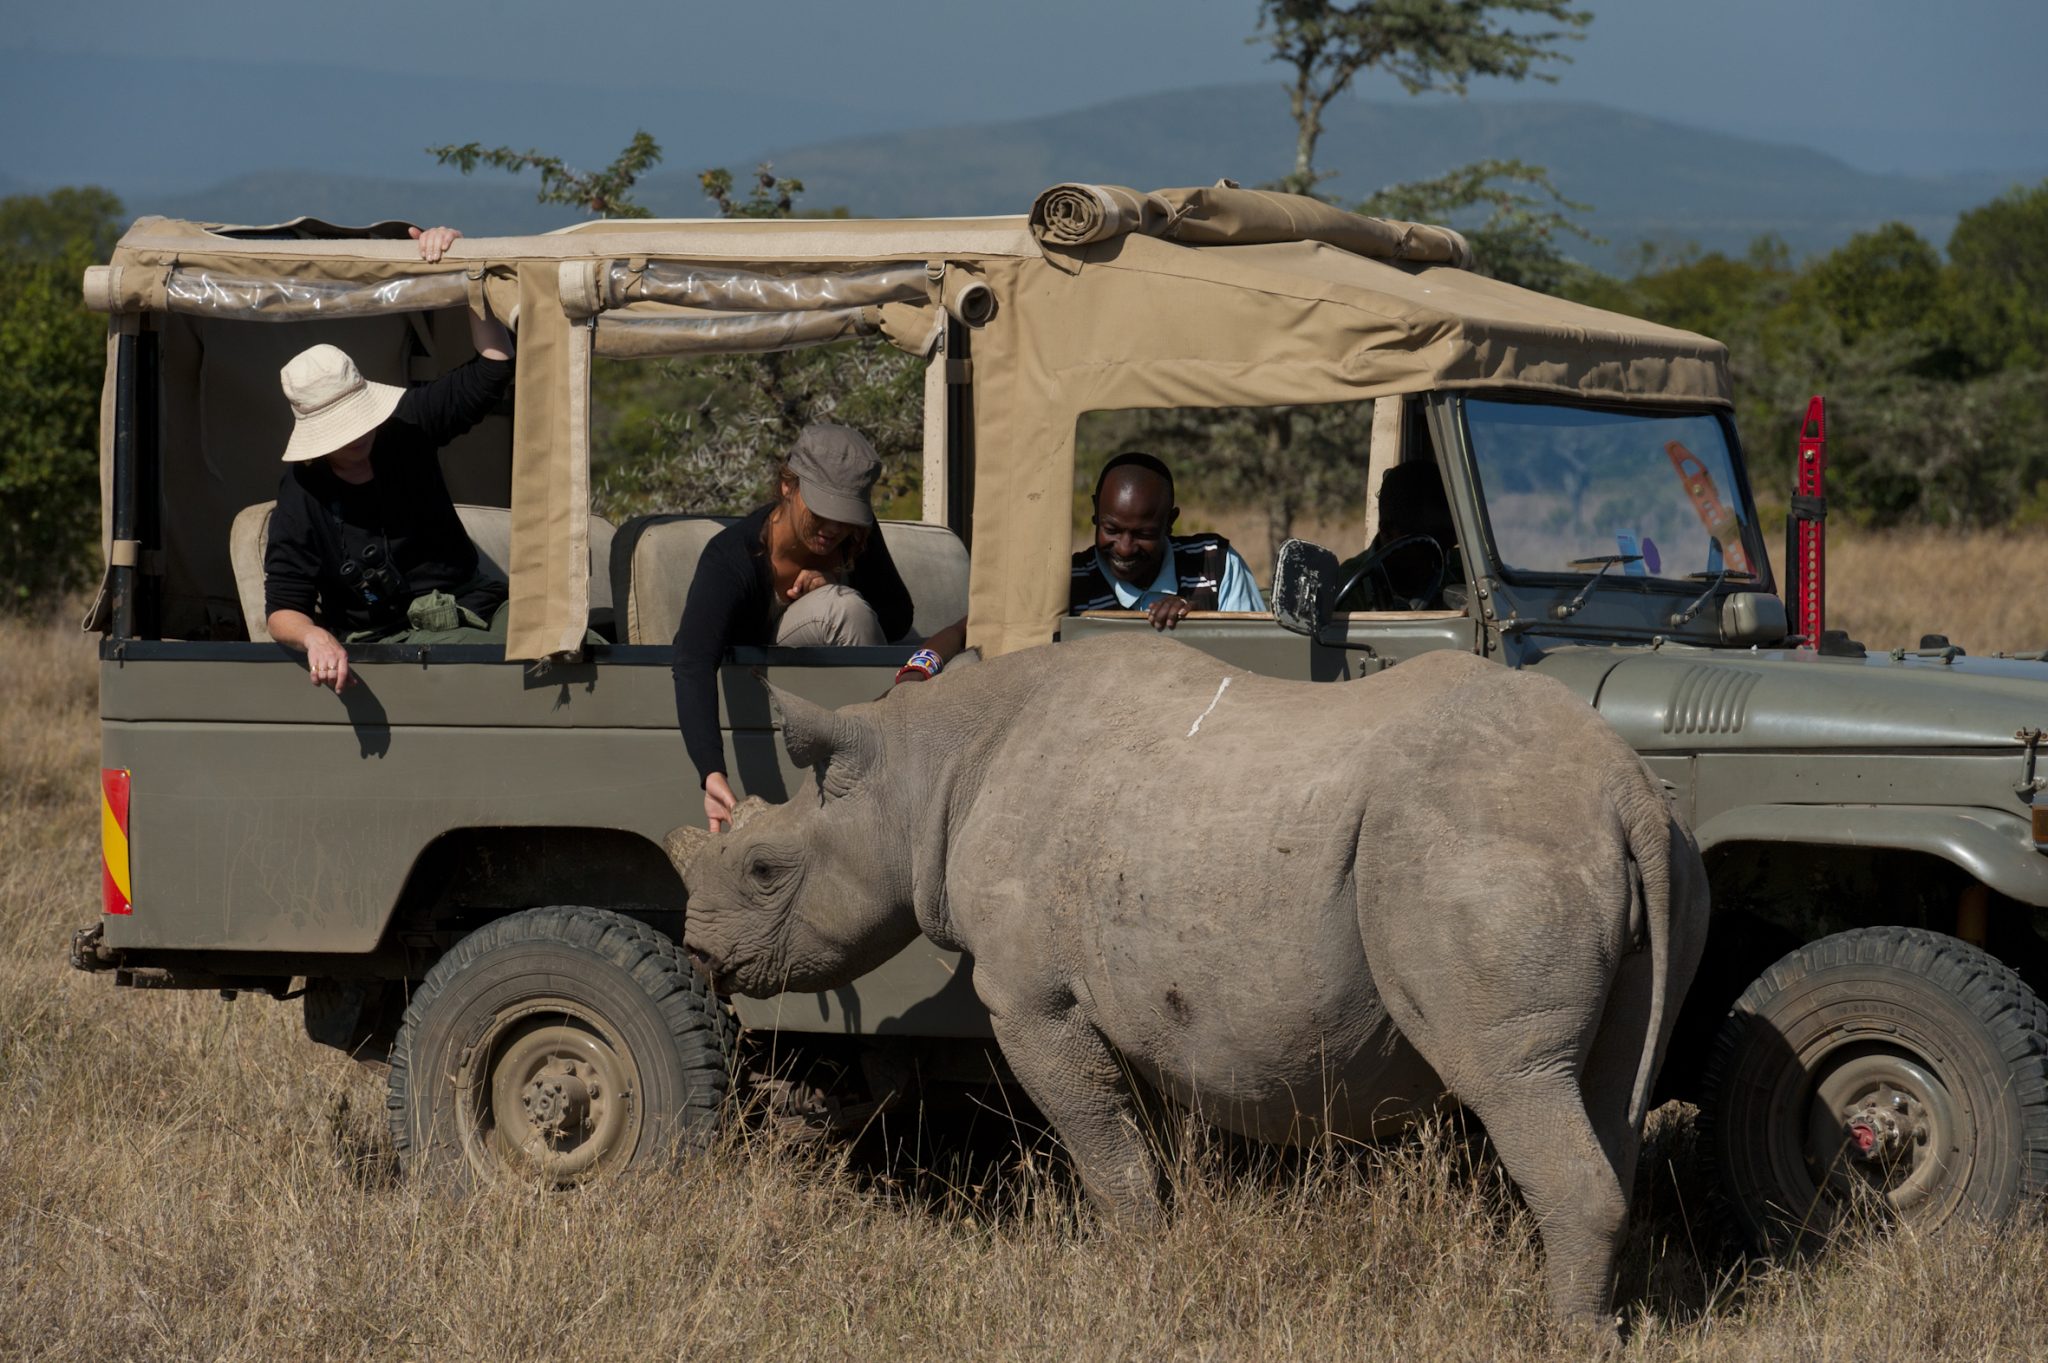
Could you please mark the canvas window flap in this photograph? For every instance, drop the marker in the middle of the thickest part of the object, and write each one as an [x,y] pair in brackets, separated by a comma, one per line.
[549,568]
[1223,214]
[636,334]
[724,288]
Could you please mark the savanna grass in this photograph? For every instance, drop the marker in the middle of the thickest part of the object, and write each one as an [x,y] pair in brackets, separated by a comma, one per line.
[183,1177]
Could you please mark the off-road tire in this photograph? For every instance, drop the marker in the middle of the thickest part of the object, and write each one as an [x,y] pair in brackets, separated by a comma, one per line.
[1921,1061]
[545,1000]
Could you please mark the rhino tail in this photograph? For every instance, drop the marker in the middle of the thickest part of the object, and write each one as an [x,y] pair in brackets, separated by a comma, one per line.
[1648,828]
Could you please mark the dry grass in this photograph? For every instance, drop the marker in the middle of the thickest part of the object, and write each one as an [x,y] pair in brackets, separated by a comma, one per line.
[185,1178]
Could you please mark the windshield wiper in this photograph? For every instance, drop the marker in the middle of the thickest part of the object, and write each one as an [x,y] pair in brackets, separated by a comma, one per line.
[1605,561]
[1685,616]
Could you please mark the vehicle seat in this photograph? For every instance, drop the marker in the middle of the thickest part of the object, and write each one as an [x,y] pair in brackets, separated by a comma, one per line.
[489,527]
[654,558]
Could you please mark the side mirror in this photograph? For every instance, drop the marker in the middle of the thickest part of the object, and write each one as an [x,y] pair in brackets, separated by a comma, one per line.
[1304,582]
[1752,618]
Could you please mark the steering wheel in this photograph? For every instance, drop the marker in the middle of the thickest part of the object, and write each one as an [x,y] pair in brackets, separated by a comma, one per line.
[1383,590]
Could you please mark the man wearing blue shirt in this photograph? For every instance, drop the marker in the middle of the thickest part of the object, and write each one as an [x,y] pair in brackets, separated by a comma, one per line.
[1139,564]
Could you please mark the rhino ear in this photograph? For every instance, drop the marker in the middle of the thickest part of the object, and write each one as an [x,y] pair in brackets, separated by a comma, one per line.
[685,843]
[845,747]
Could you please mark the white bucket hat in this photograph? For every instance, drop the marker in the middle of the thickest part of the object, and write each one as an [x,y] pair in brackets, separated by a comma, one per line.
[332,401]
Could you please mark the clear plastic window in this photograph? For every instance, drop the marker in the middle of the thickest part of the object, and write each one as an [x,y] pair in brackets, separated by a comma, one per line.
[1564,485]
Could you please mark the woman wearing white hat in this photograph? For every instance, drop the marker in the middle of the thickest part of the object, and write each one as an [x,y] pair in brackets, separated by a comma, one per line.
[365,543]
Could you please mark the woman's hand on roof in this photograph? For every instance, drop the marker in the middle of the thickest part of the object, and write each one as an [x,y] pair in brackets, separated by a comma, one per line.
[434,242]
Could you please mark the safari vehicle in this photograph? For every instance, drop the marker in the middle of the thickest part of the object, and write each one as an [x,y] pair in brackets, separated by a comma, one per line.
[458,863]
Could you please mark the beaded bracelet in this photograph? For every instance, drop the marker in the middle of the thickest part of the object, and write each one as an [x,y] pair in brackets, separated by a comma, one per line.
[923,663]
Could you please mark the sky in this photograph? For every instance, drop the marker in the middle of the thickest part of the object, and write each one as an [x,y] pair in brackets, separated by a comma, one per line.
[1884,84]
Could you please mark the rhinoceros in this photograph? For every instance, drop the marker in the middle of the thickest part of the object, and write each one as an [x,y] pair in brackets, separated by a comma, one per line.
[1298,908]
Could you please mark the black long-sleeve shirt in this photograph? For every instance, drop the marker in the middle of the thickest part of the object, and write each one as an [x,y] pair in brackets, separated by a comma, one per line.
[404,509]
[729,604]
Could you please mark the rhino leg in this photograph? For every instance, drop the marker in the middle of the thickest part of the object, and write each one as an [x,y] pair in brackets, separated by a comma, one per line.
[1559,1162]
[1082,1088]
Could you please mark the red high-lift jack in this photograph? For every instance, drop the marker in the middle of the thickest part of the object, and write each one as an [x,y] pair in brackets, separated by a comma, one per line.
[1806,529]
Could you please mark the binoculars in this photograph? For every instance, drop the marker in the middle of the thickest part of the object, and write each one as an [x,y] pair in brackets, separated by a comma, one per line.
[375,578]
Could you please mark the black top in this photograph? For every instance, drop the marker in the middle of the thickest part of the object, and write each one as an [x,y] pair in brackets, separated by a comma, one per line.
[729,604]
[405,511]
[1198,563]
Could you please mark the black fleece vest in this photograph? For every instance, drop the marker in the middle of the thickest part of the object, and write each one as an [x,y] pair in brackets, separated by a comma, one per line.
[1197,565]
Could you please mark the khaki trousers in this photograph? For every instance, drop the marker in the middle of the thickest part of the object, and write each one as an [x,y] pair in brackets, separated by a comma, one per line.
[832,614]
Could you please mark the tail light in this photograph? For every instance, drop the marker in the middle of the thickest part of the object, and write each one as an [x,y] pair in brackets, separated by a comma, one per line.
[116,894]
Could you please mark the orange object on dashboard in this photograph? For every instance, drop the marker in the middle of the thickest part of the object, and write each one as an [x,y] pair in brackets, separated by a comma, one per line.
[1708,506]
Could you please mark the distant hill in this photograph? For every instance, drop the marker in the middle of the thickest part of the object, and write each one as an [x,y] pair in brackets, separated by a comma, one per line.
[146,127]
[1647,179]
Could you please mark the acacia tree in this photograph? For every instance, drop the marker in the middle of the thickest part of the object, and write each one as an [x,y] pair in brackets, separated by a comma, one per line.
[605,193]
[1287,460]
[1439,45]
[1517,242]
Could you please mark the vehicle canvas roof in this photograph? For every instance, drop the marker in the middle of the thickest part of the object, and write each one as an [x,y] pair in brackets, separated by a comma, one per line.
[1198,297]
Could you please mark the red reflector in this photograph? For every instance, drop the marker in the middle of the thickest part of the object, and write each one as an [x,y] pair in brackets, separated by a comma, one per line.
[2041,821]
[116,894]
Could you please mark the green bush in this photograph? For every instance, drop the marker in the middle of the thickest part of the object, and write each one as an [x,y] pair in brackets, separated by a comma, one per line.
[52,357]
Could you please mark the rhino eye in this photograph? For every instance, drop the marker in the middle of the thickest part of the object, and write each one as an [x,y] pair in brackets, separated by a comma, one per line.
[761,872]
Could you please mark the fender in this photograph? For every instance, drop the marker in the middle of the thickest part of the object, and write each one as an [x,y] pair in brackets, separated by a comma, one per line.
[1995,847]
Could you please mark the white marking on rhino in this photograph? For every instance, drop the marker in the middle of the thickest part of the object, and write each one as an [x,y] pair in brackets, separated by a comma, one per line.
[1221,687]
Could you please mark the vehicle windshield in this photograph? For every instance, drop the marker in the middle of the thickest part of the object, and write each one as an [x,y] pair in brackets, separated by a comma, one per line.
[1567,487]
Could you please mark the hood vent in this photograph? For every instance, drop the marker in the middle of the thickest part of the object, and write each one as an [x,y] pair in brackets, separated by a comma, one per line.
[1710,700]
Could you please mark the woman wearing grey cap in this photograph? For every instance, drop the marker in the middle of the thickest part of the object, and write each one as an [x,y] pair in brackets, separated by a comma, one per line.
[806,569]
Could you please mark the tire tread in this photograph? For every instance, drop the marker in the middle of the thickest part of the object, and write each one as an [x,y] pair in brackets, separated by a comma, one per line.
[2015,1017]
[704,1028]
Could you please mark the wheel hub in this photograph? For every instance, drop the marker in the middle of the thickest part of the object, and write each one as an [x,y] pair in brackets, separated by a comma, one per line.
[558,1102]
[1880,1122]
[552,1096]
[1883,1130]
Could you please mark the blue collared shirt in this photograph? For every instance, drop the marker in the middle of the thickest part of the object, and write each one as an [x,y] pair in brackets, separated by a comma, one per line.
[1237,593]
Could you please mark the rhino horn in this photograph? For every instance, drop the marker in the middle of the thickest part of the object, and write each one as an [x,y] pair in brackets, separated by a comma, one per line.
[747,809]
[683,844]
[847,746]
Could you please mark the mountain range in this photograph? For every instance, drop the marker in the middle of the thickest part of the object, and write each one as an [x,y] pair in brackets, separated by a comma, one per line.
[217,141]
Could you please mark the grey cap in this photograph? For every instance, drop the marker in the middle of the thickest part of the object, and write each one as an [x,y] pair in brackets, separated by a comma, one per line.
[836,469]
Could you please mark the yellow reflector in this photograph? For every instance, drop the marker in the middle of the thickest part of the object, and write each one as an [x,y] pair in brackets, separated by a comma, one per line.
[2041,821]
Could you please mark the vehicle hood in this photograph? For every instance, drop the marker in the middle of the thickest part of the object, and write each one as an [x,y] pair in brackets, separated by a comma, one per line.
[1687,699]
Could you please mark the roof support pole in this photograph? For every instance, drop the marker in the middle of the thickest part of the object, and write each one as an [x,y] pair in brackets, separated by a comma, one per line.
[959,431]
[121,555]
[935,510]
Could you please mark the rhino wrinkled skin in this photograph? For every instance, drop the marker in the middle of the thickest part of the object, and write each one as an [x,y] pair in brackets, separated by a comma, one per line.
[1296,907]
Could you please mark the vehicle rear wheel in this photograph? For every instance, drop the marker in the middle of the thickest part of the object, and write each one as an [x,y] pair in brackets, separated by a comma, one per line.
[1888,1068]
[555,1046]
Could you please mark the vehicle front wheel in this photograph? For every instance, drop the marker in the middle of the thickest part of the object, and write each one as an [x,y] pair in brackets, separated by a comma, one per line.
[1891,1068]
[554,1046]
